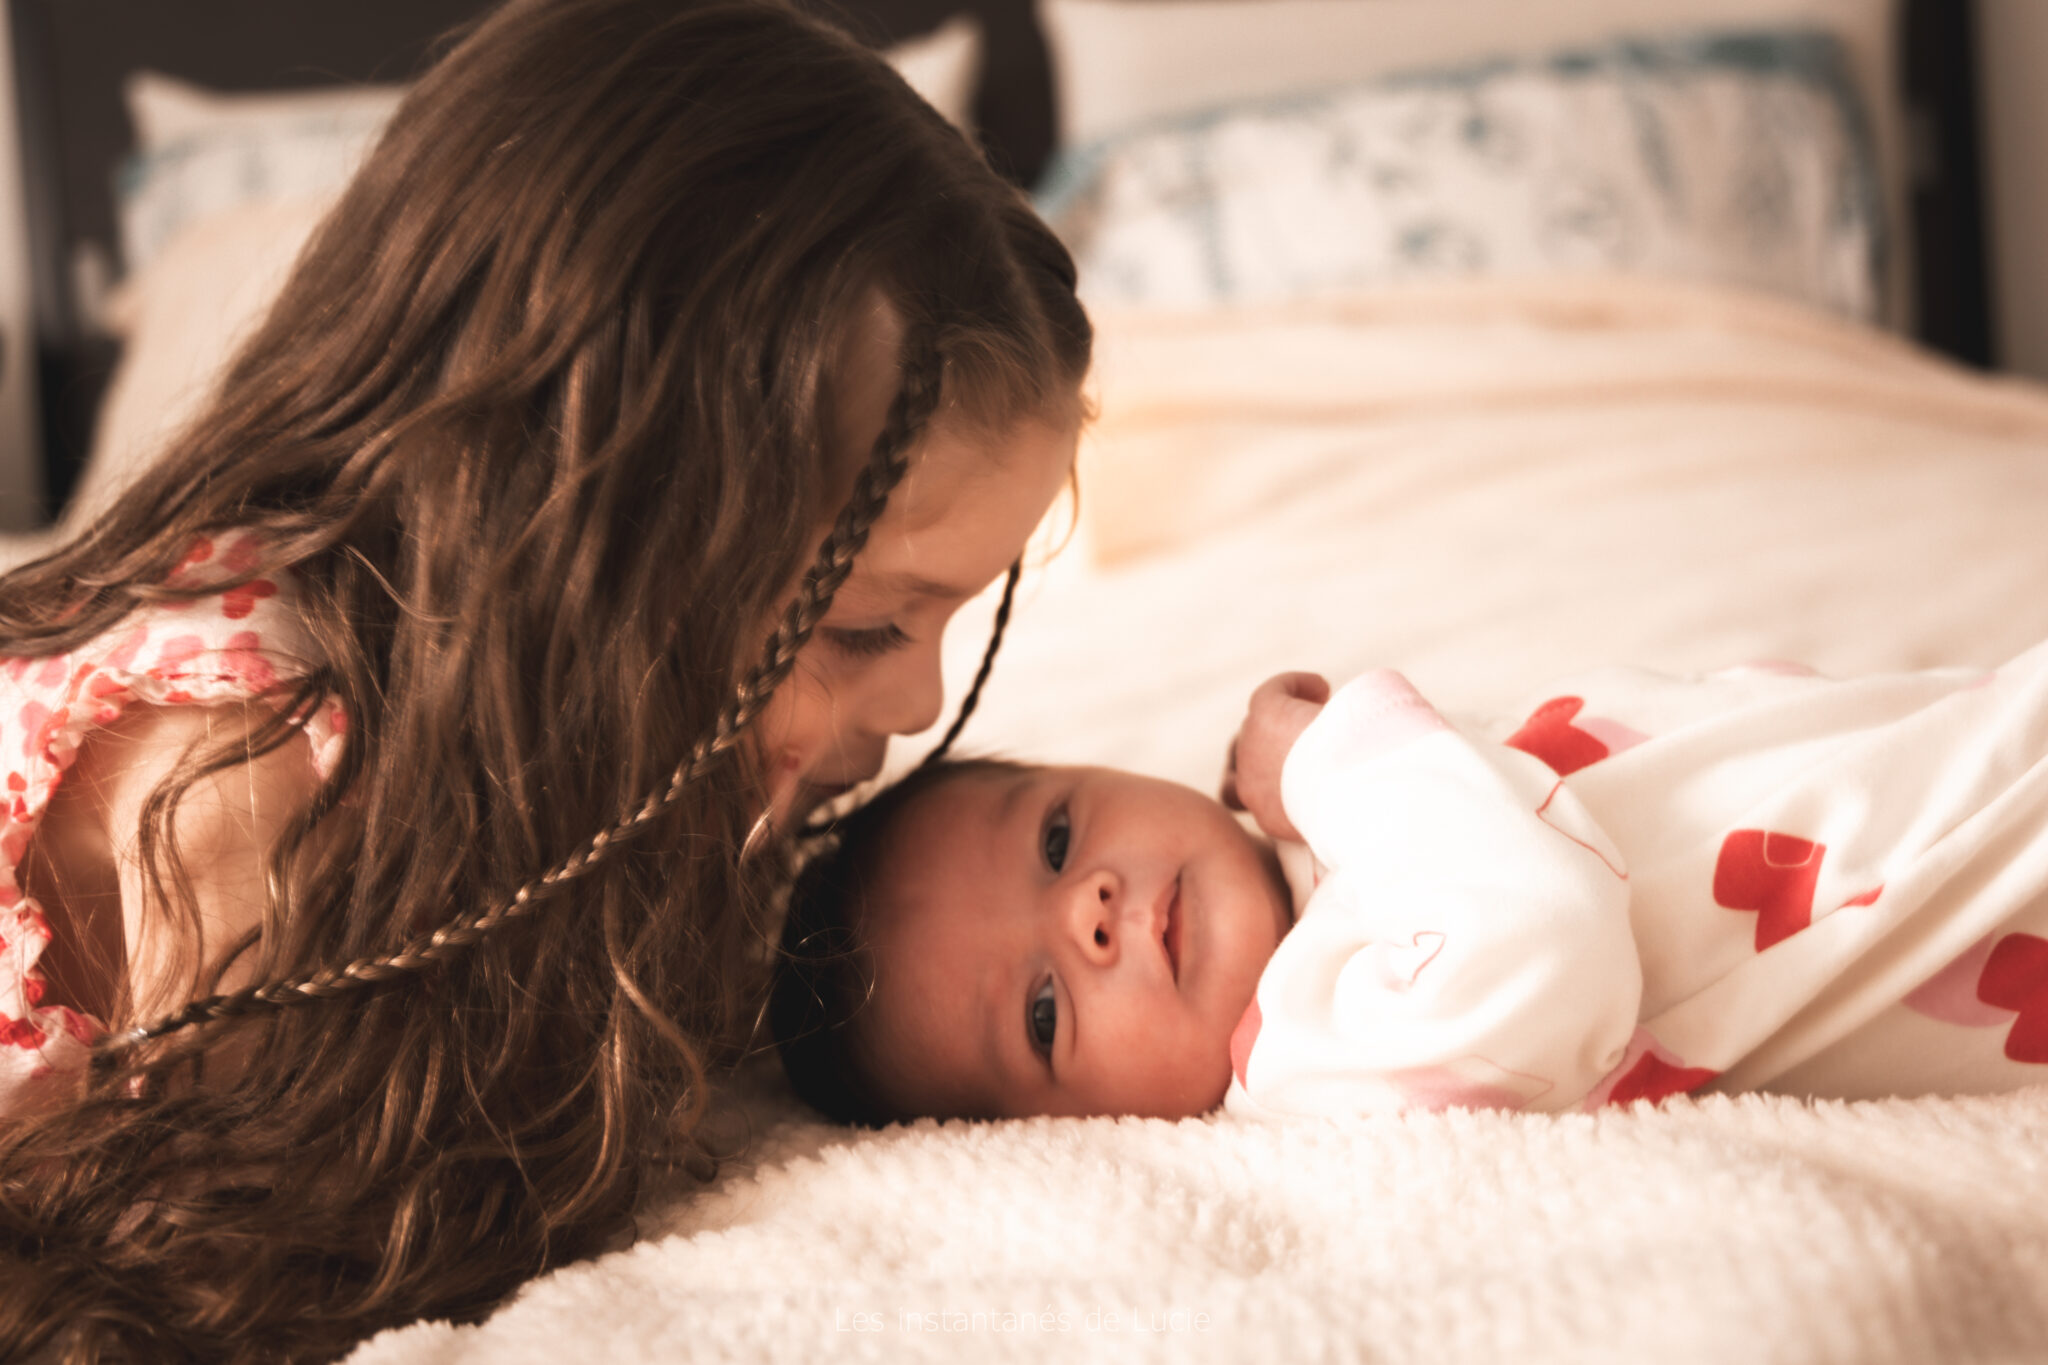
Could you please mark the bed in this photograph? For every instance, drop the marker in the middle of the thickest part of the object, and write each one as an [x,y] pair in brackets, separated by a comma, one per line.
[1487,456]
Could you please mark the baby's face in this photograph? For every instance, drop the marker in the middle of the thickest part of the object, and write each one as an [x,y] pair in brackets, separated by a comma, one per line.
[1066,941]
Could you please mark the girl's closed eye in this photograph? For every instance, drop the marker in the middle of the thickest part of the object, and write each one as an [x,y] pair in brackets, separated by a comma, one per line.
[1042,1019]
[866,642]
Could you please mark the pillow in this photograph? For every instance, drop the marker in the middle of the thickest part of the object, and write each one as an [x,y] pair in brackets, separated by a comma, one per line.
[224,190]
[179,322]
[166,111]
[1735,159]
[1123,63]
[200,152]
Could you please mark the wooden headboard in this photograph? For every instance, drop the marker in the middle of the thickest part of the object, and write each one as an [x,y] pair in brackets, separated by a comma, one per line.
[71,56]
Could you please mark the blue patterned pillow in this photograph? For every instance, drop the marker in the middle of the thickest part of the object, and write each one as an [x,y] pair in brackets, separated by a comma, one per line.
[1735,158]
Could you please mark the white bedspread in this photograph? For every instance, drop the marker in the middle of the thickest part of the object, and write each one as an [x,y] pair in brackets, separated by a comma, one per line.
[1756,1229]
[1484,487]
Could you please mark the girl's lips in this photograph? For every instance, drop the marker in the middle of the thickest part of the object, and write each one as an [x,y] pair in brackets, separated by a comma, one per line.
[1172,936]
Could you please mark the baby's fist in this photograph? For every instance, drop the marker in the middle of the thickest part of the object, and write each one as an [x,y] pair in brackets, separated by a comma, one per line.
[1280,710]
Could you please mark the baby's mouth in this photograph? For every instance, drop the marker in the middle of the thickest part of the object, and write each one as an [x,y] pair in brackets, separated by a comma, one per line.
[1171,938]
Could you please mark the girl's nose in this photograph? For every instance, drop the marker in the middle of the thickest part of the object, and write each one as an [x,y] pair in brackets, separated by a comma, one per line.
[1092,904]
[912,699]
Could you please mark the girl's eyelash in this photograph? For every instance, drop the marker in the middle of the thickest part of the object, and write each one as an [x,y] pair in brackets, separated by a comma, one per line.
[867,643]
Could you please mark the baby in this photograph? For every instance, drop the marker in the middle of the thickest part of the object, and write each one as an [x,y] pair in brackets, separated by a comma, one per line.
[1757,878]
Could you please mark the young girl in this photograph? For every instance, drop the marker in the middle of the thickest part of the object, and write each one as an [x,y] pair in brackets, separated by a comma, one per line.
[1759,878]
[399,777]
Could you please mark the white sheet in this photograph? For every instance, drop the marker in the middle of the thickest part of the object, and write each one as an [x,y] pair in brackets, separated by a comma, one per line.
[1491,486]
[1483,488]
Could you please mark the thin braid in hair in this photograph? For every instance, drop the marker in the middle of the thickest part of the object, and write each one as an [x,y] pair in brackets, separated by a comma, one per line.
[915,401]
[988,663]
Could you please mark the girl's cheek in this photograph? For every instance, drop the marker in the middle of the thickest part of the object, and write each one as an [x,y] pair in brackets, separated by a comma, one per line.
[785,785]
[785,724]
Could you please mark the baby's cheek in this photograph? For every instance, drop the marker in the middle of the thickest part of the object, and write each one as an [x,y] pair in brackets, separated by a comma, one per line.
[1203,1066]
[1170,1068]
[1208,1082]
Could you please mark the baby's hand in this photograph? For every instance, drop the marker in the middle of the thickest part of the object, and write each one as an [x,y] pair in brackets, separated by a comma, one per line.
[1279,711]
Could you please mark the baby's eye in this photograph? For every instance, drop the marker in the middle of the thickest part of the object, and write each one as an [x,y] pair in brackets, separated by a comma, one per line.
[1058,831]
[866,643]
[1042,1020]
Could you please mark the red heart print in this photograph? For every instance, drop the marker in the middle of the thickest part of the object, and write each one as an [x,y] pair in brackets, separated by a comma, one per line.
[1549,734]
[2016,978]
[1653,1078]
[1771,874]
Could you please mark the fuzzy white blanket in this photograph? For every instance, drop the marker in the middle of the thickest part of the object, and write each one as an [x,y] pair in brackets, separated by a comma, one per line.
[1753,1228]
[1486,488]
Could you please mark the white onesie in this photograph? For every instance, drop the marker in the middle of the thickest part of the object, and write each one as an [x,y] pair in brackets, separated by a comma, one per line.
[1761,878]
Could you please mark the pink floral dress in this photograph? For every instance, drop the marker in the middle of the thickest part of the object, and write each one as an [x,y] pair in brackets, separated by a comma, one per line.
[225,648]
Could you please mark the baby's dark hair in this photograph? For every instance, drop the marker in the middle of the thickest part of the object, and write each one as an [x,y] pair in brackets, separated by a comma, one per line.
[824,971]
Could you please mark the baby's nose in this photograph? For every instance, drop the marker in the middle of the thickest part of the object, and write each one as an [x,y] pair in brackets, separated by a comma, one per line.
[1093,904]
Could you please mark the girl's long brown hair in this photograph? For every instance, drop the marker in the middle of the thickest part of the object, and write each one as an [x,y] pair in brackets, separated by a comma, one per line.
[536,424]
